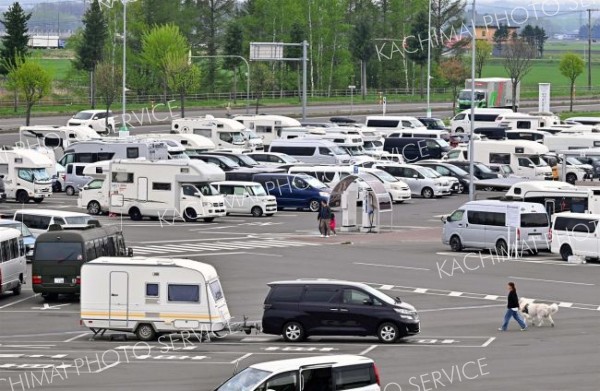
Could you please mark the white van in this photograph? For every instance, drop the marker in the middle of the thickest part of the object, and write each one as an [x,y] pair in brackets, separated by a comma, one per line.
[150,296]
[246,197]
[39,220]
[482,225]
[391,123]
[340,372]
[427,133]
[312,151]
[461,122]
[13,266]
[575,234]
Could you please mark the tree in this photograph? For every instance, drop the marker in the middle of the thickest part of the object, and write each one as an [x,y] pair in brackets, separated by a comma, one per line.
[108,85]
[414,48]
[446,18]
[540,39]
[483,51]
[158,44]
[31,81]
[262,79]
[91,48]
[182,76]
[361,46]
[500,36]
[517,62]
[454,72]
[15,39]
[234,36]
[571,66]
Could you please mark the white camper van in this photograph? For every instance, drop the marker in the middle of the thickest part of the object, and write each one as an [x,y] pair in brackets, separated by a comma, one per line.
[114,148]
[25,174]
[57,137]
[150,296]
[224,132]
[193,143]
[162,189]
[527,121]
[392,123]
[268,127]
[461,123]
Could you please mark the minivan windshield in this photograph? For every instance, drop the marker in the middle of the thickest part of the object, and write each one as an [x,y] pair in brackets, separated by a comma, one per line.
[384,176]
[380,295]
[246,380]
[355,150]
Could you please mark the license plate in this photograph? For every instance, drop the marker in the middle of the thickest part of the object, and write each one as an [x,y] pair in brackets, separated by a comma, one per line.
[535,234]
[60,280]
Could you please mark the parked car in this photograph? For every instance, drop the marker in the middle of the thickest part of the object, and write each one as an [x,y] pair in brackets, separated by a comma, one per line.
[302,308]
[274,158]
[299,191]
[575,234]
[95,119]
[449,170]
[480,170]
[421,182]
[74,179]
[246,197]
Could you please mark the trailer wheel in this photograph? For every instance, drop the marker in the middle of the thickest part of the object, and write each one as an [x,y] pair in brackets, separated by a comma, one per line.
[135,214]
[189,215]
[22,197]
[145,332]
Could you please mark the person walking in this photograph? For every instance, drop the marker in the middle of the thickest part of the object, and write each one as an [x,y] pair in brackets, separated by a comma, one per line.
[332,224]
[512,309]
[324,218]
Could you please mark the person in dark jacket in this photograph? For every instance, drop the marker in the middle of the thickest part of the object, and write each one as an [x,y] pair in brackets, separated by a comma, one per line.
[512,309]
[324,217]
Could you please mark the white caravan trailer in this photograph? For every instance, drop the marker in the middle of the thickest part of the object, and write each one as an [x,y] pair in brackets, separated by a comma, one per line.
[114,148]
[559,142]
[268,127]
[527,121]
[224,132]
[150,296]
[25,174]
[523,156]
[193,143]
[164,189]
[58,138]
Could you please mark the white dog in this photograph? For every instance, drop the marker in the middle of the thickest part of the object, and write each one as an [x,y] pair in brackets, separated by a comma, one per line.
[537,311]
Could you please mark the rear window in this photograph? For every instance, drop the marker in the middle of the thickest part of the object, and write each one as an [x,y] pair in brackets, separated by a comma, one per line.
[285,293]
[217,291]
[383,123]
[575,224]
[531,220]
[354,377]
[78,220]
[59,251]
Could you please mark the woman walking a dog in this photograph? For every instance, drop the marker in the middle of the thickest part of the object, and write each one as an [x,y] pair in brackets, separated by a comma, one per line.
[512,309]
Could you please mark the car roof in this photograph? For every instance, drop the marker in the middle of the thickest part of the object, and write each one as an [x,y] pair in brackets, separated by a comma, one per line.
[295,363]
[318,281]
[51,212]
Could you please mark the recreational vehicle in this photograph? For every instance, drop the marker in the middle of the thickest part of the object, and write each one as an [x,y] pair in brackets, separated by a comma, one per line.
[162,189]
[461,122]
[268,127]
[25,174]
[527,121]
[56,137]
[556,196]
[114,148]
[223,132]
[151,296]
[193,143]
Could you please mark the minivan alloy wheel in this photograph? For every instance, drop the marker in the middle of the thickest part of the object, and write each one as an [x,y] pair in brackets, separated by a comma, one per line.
[293,332]
[388,332]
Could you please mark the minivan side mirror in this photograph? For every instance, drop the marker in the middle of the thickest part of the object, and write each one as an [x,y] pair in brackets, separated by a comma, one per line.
[368,301]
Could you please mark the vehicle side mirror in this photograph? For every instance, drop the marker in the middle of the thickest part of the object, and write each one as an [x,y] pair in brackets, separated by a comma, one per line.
[85,188]
[415,176]
[129,252]
[445,218]
[368,301]
[197,194]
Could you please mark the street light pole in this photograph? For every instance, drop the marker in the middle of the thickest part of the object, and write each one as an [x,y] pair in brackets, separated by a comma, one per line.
[124,125]
[304,55]
[247,78]
[471,141]
[429,63]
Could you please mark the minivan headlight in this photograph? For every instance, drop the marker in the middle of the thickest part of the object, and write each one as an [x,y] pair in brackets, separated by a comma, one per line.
[406,314]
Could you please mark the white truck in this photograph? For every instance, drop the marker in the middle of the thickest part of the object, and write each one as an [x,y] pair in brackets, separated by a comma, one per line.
[267,127]
[25,173]
[167,190]
[151,296]
[226,133]
[490,92]
[523,156]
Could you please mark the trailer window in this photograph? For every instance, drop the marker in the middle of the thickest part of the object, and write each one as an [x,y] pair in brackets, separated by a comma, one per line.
[161,186]
[122,177]
[185,293]
[133,153]
[152,290]
[217,291]
[500,158]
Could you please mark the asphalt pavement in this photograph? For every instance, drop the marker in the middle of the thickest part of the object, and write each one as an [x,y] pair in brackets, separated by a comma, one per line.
[460,297]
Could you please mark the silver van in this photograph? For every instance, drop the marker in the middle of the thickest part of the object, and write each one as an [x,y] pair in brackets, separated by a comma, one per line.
[310,150]
[483,225]
[74,179]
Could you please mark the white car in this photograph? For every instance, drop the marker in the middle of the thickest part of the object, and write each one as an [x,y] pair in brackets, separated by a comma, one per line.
[247,197]
[399,191]
[274,158]
[95,119]
[452,183]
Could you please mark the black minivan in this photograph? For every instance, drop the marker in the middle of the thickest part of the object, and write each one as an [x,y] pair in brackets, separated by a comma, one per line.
[302,308]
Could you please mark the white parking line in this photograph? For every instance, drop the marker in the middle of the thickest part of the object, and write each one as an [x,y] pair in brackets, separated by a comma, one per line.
[76,337]
[240,358]
[367,350]
[391,266]
[559,282]
[489,341]
[19,301]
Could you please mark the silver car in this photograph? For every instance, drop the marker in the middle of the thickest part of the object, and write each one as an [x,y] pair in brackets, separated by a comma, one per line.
[74,178]
[422,181]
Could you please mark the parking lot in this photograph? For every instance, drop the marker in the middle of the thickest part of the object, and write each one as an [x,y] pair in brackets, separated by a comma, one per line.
[460,297]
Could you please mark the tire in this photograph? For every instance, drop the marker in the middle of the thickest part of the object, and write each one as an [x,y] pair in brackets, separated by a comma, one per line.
[208,219]
[56,188]
[427,192]
[257,211]
[38,200]
[109,129]
[22,197]
[459,130]
[571,178]
[388,332]
[145,332]
[17,291]
[314,205]
[94,208]
[190,215]
[293,332]
[455,244]
[69,190]
[565,252]
[135,214]
[501,247]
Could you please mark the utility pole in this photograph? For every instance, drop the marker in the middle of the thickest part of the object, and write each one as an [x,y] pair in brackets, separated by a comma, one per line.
[589,48]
